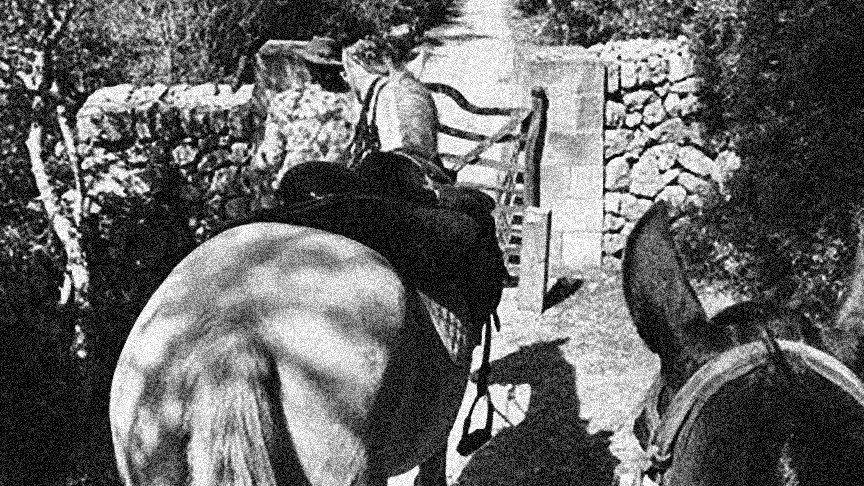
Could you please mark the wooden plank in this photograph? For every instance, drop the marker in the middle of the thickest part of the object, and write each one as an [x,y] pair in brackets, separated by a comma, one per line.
[478,185]
[515,121]
[509,210]
[534,259]
[534,145]
[474,136]
[466,105]
[453,159]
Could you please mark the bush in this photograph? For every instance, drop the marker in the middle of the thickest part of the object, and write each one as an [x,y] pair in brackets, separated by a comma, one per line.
[589,22]
[196,41]
[531,7]
[724,245]
[778,77]
[135,235]
[235,30]
[36,381]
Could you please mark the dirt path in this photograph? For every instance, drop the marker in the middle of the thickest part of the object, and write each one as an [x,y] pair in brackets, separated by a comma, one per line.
[567,385]
[564,383]
[475,53]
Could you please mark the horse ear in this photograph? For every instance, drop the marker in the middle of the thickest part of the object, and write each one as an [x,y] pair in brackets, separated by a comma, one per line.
[846,337]
[662,303]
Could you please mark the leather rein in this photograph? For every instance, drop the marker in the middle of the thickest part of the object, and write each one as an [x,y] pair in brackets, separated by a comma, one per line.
[730,365]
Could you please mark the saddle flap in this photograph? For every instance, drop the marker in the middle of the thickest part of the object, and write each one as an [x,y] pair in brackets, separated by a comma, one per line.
[458,338]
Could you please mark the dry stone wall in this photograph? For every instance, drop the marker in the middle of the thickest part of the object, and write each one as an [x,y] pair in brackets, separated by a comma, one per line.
[229,146]
[653,144]
[613,146]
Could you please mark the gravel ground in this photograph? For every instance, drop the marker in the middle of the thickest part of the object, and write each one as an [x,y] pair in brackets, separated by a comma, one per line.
[566,386]
[580,370]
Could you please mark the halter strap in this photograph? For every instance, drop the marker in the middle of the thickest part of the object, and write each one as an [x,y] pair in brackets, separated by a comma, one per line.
[726,367]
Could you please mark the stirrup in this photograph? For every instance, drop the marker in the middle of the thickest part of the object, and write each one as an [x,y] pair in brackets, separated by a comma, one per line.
[471,441]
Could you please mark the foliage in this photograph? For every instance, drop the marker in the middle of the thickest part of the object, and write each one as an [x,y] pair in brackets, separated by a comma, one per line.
[794,118]
[36,372]
[778,88]
[531,7]
[588,22]
[725,245]
[238,29]
[136,231]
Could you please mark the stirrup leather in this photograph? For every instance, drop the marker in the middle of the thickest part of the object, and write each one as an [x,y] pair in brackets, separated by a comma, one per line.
[472,441]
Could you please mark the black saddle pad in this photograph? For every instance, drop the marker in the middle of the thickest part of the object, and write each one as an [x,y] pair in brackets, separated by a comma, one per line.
[425,245]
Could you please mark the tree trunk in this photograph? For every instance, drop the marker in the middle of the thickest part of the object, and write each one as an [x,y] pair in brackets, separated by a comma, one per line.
[76,281]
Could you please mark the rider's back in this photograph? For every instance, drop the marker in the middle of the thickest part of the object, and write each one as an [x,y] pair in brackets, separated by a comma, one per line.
[407,119]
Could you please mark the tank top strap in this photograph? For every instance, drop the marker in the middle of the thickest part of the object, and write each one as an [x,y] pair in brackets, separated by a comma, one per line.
[365,137]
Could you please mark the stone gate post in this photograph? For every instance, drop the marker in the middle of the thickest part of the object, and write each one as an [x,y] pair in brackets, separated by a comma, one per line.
[571,175]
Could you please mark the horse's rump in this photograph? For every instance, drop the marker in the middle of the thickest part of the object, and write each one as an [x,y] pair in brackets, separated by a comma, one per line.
[264,333]
[440,251]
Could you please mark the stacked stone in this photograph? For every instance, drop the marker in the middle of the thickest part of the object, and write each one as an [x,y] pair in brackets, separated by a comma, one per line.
[304,123]
[229,152]
[207,129]
[654,147]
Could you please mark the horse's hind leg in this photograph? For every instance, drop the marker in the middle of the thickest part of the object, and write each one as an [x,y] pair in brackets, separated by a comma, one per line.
[433,471]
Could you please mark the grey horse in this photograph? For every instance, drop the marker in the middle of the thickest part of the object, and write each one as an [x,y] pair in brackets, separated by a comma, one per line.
[283,355]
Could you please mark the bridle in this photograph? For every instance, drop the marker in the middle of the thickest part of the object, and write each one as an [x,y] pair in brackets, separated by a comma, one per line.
[678,419]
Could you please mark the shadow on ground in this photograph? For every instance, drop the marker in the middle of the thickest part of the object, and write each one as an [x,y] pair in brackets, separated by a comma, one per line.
[563,288]
[551,445]
[454,38]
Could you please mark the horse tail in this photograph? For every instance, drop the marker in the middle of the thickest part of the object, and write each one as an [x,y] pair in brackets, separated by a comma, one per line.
[238,434]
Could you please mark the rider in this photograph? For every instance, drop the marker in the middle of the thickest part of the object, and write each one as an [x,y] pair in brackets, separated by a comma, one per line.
[447,234]
[398,113]
[398,116]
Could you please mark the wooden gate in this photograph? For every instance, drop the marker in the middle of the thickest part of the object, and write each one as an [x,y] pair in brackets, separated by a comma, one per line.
[517,186]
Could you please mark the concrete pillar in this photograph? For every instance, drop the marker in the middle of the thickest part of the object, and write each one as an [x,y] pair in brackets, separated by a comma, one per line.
[571,174]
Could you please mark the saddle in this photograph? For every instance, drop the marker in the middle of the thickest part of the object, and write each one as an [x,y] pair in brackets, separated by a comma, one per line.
[441,242]
[443,253]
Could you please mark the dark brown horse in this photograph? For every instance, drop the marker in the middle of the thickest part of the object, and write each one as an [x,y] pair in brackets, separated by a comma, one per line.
[755,395]
[283,355]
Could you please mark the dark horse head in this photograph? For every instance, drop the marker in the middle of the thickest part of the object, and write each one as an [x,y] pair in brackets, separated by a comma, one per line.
[755,395]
